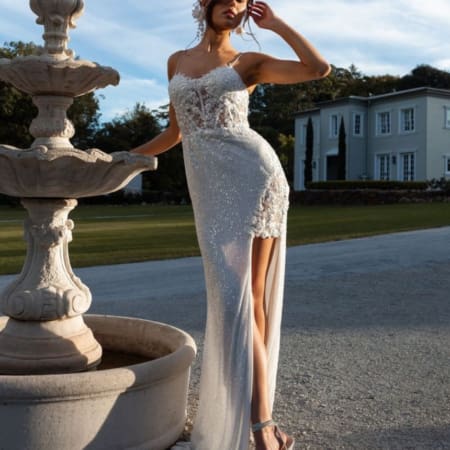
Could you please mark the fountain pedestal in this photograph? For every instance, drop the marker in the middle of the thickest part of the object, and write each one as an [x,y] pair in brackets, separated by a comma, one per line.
[46,333]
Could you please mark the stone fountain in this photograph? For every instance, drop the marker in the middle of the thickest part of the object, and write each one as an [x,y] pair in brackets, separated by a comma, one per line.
[54,393]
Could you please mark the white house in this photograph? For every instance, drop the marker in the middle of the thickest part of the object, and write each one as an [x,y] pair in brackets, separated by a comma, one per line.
[402,135]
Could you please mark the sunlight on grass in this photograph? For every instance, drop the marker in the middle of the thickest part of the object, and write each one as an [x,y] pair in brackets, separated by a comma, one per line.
[122,234]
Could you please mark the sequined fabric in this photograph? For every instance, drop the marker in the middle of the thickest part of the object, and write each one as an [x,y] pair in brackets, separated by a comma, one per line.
[217,104]
[238,191]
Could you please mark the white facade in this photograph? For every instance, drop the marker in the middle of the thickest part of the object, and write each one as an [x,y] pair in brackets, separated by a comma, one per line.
[397,136]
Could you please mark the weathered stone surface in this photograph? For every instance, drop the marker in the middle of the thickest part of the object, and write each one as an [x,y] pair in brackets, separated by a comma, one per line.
[141,406]
[47,289]
[67,173]
[57,16]
[42,75]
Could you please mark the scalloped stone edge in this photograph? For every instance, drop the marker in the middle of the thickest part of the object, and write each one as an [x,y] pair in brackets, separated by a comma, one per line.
[91,155]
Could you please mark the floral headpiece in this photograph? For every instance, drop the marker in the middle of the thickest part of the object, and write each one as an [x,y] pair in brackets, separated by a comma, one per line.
[199,15]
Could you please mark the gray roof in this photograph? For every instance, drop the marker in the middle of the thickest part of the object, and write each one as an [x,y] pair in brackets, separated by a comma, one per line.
[419,91]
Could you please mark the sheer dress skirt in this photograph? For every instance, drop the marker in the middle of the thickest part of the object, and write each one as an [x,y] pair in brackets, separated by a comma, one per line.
[238,192]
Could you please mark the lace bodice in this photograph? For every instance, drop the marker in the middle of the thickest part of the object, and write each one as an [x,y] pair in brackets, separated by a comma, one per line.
[216,104]
[218,99]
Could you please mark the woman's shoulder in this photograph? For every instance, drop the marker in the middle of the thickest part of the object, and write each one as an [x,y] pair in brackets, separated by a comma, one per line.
[173,61]
[174,57]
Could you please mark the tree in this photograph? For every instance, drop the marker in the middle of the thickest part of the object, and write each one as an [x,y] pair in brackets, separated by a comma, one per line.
[286,146]
[425,75]
[16,109]
[170,176]
[84,114]
[342,152]
[128,130]
[134,128]
[308,176]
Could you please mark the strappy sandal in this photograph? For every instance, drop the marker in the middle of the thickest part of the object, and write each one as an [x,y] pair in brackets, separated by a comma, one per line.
[286,445]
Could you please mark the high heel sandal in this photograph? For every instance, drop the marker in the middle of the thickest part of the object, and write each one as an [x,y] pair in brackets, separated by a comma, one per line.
[286,445]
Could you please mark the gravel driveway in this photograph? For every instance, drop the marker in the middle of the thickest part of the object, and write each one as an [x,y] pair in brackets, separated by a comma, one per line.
[365,360]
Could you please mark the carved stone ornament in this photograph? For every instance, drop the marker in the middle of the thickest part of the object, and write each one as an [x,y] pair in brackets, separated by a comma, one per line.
[47,288]
[46,302]
[57,16]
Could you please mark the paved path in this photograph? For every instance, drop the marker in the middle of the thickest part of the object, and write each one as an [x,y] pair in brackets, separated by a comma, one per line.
[365,361]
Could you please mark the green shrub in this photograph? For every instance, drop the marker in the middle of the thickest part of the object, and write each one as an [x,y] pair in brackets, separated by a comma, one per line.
[368,184]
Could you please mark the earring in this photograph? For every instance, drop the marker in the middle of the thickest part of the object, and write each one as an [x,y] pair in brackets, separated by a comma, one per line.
[239,30]
[199,15]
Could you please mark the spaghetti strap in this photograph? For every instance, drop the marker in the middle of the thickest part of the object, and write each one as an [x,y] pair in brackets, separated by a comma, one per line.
[182,53]
[234,60]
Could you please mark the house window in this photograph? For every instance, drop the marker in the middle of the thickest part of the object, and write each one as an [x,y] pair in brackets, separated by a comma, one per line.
[447,116]
[408,167]
[357,124]
[383,166]
[447,164]
[384,123]
[334,129]
[407,120]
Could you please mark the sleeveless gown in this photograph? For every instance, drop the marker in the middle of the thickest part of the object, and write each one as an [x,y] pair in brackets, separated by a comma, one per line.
[238,191]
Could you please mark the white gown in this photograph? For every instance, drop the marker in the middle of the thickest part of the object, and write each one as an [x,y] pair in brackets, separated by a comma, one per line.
[238,191]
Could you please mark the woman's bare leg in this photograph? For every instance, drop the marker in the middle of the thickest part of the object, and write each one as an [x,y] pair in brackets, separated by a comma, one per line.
[261,255]
[261,410]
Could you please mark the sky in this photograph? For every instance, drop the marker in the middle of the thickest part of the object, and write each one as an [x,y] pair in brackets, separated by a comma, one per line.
[137,36]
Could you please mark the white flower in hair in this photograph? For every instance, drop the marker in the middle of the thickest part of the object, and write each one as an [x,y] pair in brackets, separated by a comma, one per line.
[199,15]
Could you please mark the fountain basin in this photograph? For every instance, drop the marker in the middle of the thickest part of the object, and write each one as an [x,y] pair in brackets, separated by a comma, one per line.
[43,75]
[139,406]
[41,172]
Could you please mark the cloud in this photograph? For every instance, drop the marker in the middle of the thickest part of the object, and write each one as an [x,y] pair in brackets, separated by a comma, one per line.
[435,12]
[135,33]
[443,63]
[136,37]
[17,22]
[16,8]
[379,33]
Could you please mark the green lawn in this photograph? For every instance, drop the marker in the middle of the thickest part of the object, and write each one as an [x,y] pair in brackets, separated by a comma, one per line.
[330,223]
[121,234]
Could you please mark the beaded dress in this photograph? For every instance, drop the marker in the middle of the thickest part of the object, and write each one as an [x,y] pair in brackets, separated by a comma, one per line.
[238,191]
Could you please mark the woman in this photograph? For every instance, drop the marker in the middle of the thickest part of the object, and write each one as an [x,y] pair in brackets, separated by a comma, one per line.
[239,195]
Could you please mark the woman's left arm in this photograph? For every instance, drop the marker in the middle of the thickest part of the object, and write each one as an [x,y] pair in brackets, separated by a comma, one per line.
[311,64]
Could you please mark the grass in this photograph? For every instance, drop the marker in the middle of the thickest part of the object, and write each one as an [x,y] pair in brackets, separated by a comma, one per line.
[321,224]
[122,234]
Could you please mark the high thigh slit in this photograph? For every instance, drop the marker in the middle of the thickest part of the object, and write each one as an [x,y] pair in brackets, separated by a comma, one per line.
[238,192]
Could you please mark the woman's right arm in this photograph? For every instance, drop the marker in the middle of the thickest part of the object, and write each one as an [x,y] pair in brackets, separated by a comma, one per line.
[164,141]
[171,136]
